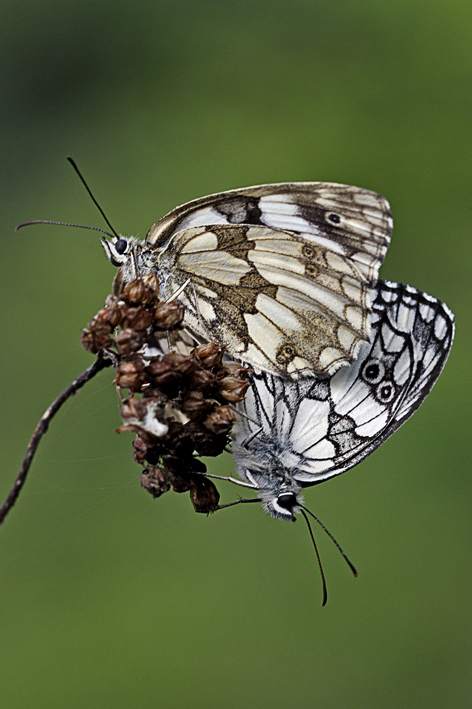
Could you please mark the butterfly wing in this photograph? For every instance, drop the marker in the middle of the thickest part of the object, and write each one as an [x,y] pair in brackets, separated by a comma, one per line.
[319,428]
[279,274]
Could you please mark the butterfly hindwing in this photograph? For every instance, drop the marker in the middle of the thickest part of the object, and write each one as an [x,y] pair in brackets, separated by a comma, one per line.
[311,429]
[279,274]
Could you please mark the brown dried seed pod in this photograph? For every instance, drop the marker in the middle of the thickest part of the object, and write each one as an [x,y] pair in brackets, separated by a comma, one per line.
[202,380]
[129,341]
[235,369]
[196,432]
[111,301]
[179,441]
[137,318]
[164,378]
[184,466]
[168,316]
[140,449]
[159,365]
[114,308]
[205,442]
[181,483]
[102,315]
[137,293]
[204,496]
[96,336]
[220,420]
[175,363]
[185,364]
[210,354]
[87,341]
[150,392]
[129,375]
[152,282]
[194,404]
[213,446]
[101,328]
[155,480]
[148,452]
[233,389]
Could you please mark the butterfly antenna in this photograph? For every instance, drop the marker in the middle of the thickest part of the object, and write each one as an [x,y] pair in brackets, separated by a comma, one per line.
[72,162]
[323,580]
[49,221]
[349,563]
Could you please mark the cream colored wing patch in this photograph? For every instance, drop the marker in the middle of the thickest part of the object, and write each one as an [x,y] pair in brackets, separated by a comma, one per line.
[281,275]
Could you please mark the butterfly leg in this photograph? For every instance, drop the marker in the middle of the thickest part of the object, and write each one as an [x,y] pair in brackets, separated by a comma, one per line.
[180,290]
[197,309]
[135,264]
[236,502]
[250,438]
[231,480]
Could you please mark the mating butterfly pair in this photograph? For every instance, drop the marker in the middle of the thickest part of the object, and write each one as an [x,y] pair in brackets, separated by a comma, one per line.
[285,277]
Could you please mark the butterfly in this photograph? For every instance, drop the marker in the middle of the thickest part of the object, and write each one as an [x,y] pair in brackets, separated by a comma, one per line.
[280,275]
[294,434]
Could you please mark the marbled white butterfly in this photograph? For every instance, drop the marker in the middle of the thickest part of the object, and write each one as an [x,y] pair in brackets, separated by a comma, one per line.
[294,434]
[280,275]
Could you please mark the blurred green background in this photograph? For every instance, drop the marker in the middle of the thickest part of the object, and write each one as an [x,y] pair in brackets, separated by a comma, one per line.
[111,599]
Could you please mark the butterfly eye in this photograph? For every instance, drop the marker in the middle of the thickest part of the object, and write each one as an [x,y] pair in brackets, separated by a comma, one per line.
[373,371]
[121,246]
[287,501]
[385,393]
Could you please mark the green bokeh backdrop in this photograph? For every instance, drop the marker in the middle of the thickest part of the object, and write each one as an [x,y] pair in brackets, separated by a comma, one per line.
[111,599]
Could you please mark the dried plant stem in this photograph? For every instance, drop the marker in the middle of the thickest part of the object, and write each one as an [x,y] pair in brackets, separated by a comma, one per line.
[100,363]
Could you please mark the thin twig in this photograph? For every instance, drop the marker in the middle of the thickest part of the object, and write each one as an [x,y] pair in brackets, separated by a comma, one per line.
[100,363]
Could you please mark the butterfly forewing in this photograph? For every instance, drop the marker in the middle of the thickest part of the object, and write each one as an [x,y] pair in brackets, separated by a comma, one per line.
[279,274]
[310,430]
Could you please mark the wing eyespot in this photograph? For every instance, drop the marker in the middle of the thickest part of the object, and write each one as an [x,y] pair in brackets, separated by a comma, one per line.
[373,371]
[385,392]
[311,271]
[333,218]
[286,353]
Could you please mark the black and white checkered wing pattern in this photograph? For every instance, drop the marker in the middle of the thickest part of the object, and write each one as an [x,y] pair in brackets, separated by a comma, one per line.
[280,274]
[313,429]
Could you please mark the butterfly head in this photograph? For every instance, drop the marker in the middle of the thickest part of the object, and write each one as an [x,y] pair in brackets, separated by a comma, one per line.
[261,466]
[117,250]
[128,255]
[282,504]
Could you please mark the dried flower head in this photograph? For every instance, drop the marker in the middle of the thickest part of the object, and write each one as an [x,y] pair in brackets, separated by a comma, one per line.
[177,404]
